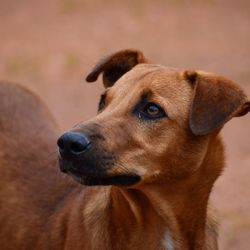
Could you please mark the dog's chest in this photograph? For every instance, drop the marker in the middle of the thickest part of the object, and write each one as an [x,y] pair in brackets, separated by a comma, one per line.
[167,241]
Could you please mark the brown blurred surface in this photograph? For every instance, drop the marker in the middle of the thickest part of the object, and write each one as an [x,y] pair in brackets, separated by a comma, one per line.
[50,45]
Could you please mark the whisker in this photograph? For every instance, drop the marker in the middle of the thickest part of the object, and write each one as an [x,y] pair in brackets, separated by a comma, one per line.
[123,169]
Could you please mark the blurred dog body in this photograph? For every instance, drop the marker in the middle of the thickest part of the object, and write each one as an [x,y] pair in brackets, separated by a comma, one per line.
[151,157]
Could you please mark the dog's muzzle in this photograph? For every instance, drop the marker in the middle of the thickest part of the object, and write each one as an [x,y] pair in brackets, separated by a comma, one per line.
[80,158]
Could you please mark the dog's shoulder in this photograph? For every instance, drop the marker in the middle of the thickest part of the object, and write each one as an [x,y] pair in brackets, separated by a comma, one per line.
[21,108]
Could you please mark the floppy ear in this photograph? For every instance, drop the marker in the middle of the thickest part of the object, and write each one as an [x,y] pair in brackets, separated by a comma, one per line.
[216,100]
[115,65]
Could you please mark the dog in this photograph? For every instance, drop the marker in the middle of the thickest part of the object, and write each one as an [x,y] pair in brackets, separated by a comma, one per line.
[142,169]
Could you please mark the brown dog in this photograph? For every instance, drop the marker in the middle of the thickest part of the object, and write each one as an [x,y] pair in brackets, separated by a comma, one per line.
[152,154]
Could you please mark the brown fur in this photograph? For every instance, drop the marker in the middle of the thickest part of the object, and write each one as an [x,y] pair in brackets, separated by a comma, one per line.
[178,159]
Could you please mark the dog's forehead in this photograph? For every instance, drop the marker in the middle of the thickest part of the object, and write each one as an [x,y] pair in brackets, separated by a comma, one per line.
[149,71]
[167,87]
[158,79]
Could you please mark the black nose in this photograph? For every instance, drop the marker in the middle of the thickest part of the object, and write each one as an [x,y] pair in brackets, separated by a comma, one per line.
[73,144]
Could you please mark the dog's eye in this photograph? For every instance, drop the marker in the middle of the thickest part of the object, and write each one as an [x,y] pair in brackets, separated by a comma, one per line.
[152,111]
[101,104]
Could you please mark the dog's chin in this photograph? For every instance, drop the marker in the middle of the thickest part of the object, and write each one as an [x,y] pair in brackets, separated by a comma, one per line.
[117,180]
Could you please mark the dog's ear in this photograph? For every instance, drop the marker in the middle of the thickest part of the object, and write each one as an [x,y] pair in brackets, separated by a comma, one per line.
[116,65]
[216,100]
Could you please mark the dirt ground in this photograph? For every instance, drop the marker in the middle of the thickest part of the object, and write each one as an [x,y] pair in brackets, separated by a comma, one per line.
[50,45]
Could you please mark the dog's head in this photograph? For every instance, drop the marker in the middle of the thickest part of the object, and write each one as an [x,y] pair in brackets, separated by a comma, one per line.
[153,123]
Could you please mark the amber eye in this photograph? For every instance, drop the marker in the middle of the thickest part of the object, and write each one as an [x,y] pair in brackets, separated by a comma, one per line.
[149,111]
[152,110]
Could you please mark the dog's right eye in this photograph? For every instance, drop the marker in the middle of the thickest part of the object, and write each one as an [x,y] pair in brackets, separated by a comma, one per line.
[101,104]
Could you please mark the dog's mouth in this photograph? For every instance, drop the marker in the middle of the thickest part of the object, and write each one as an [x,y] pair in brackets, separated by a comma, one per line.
[118,180]
[94,178]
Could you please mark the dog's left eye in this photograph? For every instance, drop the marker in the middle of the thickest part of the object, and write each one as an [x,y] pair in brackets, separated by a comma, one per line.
[152,111]
[101,104]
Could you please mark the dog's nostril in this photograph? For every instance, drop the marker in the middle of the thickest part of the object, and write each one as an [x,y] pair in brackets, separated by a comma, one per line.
[60,143]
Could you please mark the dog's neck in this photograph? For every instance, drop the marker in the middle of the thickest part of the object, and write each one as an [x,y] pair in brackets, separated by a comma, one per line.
[178,208]
[182,215]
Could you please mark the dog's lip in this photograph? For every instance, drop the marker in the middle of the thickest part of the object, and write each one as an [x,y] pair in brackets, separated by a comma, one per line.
[92,178]
[74,169]
[104,179]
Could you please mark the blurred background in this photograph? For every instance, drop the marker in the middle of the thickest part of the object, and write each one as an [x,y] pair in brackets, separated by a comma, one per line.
[50,46]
